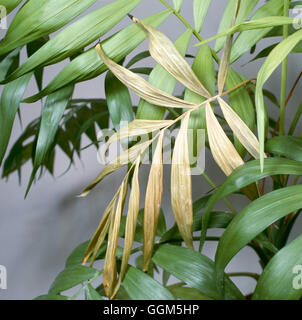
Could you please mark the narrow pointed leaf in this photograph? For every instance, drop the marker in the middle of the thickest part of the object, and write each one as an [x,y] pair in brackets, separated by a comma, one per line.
[77,36]
[9,104]
[240,129]
[140,86]
[88,64]
[163,80]
[246,7]
[222,149]
[275,58]
[286,146]
[153,201]
[200,9]
[181,184]
[52,113]
[164,52]
[246,175]
[258,215]
[118,101]
[36,19]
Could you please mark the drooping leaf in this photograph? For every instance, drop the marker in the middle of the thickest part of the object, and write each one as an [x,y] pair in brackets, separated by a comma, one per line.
[52,113]
[163,80]
[10,100]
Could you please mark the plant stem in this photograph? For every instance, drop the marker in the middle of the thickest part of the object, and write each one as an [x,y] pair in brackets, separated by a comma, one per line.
[284,74]
[244,274]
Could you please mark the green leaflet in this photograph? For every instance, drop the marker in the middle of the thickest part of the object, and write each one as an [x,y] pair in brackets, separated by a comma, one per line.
[118,100]
[289,147]
[263,23]
[37,19]
[140,286]
[162,79]
[91,293]
[257,215]
[77,36]
[203,67]
[277,55]
[9,63]
[10,100]
[195,269]
[246,7]
[10,5]
[71,277]
[241,103]
[88,65]
[51,116]
[177,5]
[200,10]
[244,176]
[277,282]
[248,39]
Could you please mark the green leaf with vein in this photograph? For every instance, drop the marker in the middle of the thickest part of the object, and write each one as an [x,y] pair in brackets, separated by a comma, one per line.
[200,10]
[77,36]
[118,100]
[278,278]
[248,39]
[9,104]
[52,113]
[258,215]
[71,277]
[244,176]
[241,103]
[9,63]
[37,19]
[162,79]
[275,58]
[88,65]
[91,293]
[246,7]
[140,286]
[286,146]
[195,269]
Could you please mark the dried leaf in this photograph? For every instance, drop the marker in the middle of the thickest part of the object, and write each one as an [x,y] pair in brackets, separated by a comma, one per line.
[140,86]
[110,268]
[181,185]
[164,52]
[153,202]
[138,128]
[225,60]
[240,129]
[224,153]
[126,157]
[131,222]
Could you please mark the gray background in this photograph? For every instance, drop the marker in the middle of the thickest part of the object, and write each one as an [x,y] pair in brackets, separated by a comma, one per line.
[37,234]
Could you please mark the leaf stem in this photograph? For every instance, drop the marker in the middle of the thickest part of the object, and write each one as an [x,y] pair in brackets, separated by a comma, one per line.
[284,74]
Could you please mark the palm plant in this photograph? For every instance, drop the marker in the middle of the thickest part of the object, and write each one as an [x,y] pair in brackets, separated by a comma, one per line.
[248,162]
